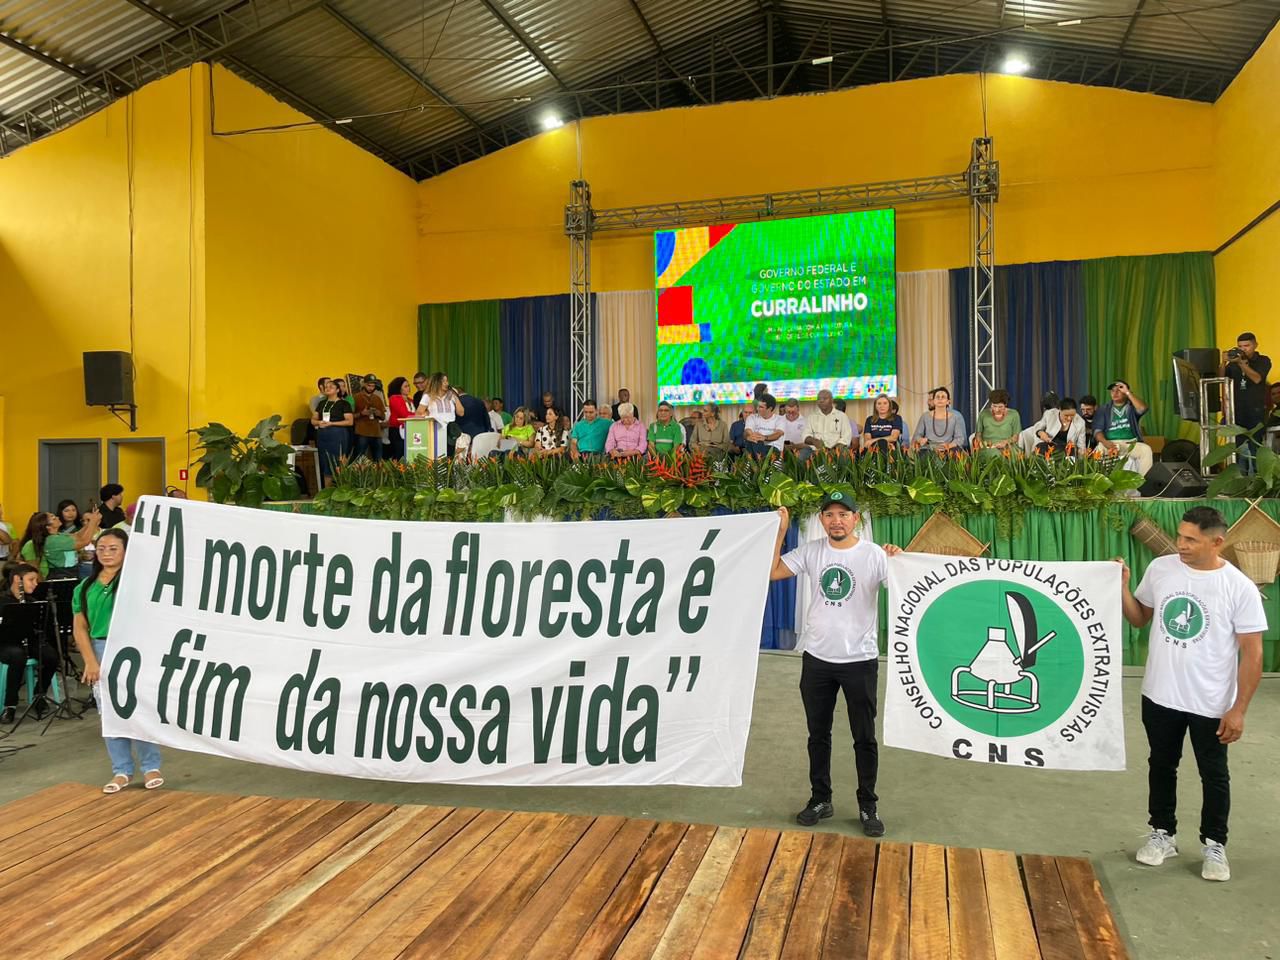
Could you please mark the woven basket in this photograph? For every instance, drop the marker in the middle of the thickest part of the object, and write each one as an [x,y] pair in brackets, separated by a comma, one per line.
[1258,560]
[942,535]
[1150,534]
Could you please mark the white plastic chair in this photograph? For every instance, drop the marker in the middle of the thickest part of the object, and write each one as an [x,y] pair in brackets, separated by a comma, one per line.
[483,444]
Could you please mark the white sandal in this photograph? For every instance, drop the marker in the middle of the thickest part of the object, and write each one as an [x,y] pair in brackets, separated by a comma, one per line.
[153,780]
[115,786]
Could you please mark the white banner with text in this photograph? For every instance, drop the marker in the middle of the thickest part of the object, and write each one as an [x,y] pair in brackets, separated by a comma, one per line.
[498,653]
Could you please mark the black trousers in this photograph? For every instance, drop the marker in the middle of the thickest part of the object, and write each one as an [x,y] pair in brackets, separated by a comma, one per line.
[820,682]
[15,656]
[1166,730]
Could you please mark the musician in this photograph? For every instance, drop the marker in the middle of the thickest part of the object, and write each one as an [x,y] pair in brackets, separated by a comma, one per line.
[22,581]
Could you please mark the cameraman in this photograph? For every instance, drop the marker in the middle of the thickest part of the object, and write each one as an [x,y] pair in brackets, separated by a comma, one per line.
[1247,369]
[14,651]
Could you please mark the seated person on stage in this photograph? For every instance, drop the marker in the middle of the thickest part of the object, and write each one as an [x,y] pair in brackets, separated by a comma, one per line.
[999,426]
[500,408]
[1088,410]
[665,435]
[884,429]
[828,428]
[763,429]
[521,431]
[795,431]
[21,580]
[624,396]
[588,435]
[495,418]
[626,437]
[1048,423]
[690,422]
[606,412]
[1116,428]
[711,434]
[1070,435]
[1273,406]
[550,440]
[737,430]
[941,428]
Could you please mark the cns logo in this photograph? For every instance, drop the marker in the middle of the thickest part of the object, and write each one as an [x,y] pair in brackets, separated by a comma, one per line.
[1183,617]
[837,583]
[1001,662]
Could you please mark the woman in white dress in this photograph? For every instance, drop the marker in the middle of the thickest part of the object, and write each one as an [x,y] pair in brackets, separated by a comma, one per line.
[441,404]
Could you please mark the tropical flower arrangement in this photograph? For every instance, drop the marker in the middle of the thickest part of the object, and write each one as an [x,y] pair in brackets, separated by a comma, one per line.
[694,484]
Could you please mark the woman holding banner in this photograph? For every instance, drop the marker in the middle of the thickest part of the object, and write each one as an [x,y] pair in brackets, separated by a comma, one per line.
[92,603]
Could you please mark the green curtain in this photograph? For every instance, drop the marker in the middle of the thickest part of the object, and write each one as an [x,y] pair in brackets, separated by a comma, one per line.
[1137,311]
[1091,536]
[463,340]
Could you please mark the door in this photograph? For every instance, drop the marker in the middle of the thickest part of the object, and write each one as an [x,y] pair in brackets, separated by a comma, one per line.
[69,470]
[137,464]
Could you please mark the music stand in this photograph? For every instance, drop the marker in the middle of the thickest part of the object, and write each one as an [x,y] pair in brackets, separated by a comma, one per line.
[59,593]
[19,623]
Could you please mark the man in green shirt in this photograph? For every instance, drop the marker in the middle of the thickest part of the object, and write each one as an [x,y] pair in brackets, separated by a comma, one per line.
[500,409]
[1116,428]
[665,435]
[588,435]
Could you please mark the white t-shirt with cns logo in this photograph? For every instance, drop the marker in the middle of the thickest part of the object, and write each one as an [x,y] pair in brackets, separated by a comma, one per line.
[844,585]
[1192,655]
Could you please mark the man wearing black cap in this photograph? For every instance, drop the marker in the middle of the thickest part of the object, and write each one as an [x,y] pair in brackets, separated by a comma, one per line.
[371,410]
[1116,430]
[840,649]
[1247,370]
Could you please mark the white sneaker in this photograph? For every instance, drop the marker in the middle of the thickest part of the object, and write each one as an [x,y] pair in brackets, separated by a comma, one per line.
[1160,846]
[1215,862]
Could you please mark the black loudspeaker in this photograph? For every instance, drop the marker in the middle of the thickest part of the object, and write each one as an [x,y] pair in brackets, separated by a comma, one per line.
[1204,359]
[1175,479]
[1176,450]
[108,378]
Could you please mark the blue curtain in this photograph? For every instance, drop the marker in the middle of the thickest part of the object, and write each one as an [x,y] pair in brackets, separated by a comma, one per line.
[1041,341]
[1041,307]
[535,349]
[778,631]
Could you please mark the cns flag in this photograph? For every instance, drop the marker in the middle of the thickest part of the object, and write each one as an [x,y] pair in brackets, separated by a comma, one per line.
[1005,661]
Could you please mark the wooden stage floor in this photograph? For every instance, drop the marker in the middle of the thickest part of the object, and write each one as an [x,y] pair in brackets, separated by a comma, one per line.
[182,875]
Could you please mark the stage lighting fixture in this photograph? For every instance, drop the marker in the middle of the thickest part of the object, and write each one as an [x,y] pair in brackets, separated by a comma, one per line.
[551,121]
[819,61]
[1015,63]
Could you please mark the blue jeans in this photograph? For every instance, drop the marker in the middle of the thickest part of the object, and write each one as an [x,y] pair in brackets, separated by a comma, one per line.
[370,447]
[120,749]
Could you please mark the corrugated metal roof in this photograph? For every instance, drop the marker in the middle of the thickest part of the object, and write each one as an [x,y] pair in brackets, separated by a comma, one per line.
[497,66]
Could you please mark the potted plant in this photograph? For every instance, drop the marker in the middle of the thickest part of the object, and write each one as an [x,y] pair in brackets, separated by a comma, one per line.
[245,470]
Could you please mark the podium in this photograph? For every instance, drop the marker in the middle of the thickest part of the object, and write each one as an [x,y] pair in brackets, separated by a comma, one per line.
[420,439]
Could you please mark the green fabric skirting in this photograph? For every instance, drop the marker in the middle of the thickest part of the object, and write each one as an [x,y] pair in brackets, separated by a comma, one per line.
[1091,536]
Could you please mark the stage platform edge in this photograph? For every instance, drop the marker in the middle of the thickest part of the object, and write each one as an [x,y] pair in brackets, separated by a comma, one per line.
[175,874]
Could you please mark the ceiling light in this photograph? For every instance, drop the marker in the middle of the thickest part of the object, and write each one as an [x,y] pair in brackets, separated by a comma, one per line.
[819,61]
[551,120]
[1015,63]
[1070,23]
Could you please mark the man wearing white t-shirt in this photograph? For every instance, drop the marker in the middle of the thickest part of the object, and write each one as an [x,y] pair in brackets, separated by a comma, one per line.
[763,429]
[1204,662]
[840,649]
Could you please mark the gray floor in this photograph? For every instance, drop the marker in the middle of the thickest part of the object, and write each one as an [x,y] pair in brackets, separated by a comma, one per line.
[1167,912]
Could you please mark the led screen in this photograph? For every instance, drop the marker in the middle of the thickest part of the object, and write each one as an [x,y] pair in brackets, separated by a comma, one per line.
[801,304]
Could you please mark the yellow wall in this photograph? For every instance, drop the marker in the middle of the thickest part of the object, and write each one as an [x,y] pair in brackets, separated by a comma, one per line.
[1247,182]
[64,268]
[311,254]
[1086,171]
[277,258]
